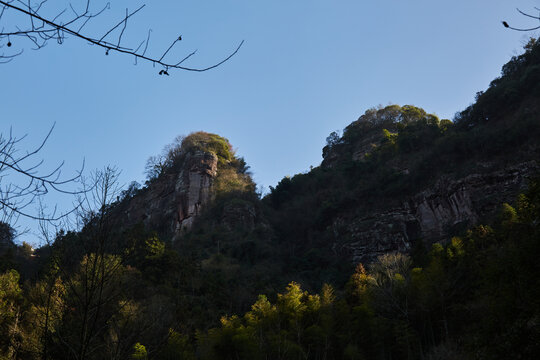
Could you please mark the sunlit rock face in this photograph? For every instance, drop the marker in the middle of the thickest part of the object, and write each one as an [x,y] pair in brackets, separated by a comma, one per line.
[432,215]
[172,202]
[193,187]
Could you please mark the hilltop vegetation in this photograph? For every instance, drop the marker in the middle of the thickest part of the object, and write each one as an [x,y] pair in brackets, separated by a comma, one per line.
[271,278]
[233,174]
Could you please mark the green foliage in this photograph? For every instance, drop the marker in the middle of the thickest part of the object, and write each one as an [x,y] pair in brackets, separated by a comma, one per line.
[292,328]
[472,296]
[173,155]
[10,311]
[178,347]
[232,176]
[10,294]
[7,247]
[518,83]
[229,180]
[7,234]
[139,352]
[390,137]
[203,141]
[154,248]
[508,215]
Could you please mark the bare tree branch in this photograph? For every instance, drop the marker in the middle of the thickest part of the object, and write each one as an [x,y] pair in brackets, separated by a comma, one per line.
[23,182]
[43,29]
[536,17]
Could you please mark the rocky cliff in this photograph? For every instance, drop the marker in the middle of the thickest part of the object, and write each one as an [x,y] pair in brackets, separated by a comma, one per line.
[193,171]
[399,176]
[433,214]
[172,201]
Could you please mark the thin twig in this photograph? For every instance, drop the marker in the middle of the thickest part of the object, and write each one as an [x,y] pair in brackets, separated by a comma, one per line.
[54,30]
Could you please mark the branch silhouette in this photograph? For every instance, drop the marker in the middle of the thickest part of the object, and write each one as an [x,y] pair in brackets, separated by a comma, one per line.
[23,183]
[506,25]
[43,29]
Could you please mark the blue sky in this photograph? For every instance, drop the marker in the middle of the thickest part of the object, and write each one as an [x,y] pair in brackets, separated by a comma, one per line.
[307,68]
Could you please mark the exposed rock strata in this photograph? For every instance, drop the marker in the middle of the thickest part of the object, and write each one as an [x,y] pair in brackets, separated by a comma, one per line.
[173,201]
[433,214]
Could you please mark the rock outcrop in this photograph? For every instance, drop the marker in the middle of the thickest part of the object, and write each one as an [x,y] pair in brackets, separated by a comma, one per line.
[172,201]
[433,214]
[193,187]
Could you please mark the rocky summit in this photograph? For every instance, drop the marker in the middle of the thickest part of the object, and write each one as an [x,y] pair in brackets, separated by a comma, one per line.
[173,200]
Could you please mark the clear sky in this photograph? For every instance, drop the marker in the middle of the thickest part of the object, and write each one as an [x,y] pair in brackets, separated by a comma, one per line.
[307,68]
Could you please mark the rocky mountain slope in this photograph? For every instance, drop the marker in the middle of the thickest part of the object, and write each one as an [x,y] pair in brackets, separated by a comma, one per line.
[400,178]
[435,213]
[397,178]
[192,173]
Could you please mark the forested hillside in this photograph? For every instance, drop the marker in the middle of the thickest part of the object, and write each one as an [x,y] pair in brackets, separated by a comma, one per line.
[415,238]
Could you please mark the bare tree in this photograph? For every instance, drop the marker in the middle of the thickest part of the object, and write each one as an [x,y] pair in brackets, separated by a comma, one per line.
[157,164]
[25,183]
[89,274]
[536,17]
[40,29]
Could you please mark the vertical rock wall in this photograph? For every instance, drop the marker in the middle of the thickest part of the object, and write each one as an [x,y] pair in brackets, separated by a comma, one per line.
[431,215]
[193,187]
[172,201]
